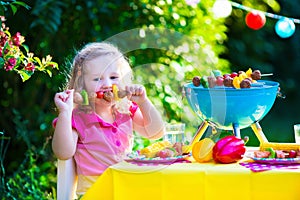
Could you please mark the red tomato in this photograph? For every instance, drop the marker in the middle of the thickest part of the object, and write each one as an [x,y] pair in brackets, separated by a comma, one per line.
[100,95]
[233,74]
[292,154]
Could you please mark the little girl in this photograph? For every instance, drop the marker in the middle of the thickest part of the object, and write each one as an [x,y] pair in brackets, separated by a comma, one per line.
[99,134]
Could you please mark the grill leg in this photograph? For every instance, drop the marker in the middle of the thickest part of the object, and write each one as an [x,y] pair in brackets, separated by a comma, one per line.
[236,130]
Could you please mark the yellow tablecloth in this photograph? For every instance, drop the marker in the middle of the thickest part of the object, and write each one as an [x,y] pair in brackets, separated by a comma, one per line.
[189,181]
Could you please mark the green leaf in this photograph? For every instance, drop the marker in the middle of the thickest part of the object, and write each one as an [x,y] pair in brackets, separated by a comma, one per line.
[49,72]
[1,62]
[25,75]
[38,60]
[2,10]
[13,8]
[23,4]
[25,47]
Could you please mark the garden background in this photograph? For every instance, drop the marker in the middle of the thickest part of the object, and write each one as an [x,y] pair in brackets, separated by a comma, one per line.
[163,62]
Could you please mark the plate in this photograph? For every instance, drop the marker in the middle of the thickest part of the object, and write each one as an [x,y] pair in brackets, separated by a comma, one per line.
[284,161]
[156,160]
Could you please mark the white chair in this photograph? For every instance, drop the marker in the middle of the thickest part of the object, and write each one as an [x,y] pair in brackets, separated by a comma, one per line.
[66,180]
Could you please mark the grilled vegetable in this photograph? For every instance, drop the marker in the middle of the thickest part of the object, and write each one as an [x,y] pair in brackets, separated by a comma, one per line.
[85,97]
[229,149]
[151,150]
[116,94]
[272,152]
[115,90]
[204,81]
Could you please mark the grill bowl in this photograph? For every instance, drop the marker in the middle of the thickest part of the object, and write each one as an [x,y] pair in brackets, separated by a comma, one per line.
[226,106]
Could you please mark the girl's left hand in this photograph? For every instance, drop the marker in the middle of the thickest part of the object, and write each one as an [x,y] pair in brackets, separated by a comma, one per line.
[136,93]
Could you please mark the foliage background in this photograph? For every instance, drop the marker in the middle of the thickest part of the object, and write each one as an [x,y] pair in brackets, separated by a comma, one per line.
[59,27]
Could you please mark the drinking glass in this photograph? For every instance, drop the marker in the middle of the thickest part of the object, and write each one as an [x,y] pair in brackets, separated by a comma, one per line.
[297,133]
[174,132]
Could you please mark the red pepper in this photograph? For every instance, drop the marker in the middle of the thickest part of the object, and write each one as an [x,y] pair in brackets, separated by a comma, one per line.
[229,149]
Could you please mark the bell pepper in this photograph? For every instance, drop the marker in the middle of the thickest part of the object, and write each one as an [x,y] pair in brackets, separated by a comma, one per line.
[204,81]
[85,97]
[115,90]
[229,149]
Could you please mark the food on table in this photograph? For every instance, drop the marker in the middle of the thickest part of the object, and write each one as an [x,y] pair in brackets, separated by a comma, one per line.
[229,149]
[293,154]
[246,83]
[237,80]
[163,149]
[204,81]
[220,81]
[228,81]
[175,150]
[196,81]
[262,154]
[272,152]
[275,153]
[151,150]
[203,150]
[233,74]
[280,146]
[212,81]
[167,152]
[186,149]
[217,73]
[256,75]
[178,146]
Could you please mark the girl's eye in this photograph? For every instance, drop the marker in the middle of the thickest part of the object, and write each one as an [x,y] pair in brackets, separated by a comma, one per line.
[96,79]
[114,77]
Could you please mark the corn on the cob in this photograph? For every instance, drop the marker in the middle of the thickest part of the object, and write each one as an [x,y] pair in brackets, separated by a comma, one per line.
[151,150]
[280,146]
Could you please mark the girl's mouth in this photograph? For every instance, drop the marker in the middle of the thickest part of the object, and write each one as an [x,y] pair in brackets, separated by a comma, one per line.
[111,95]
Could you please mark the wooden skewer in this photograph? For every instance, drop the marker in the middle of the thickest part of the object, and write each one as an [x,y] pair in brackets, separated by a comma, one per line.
[270,74]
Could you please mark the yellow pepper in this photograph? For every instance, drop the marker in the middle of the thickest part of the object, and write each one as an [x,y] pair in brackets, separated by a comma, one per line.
[115,92]
[249,72]
[242,76]
[236,82]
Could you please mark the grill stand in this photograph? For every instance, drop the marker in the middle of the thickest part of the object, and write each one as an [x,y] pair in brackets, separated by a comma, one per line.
[264,143]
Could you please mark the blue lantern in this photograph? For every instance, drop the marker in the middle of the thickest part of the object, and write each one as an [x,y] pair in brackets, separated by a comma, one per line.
[285,27]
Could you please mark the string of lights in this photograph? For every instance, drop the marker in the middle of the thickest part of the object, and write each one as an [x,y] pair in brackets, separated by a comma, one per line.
[256,19]
[270,15]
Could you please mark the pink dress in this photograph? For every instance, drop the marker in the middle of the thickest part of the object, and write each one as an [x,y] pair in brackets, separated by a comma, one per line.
[100,144]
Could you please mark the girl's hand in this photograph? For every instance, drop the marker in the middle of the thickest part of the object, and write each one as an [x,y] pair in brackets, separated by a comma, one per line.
[136,93]
[64,100]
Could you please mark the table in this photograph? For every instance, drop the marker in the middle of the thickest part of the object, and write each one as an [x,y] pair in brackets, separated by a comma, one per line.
[191,181]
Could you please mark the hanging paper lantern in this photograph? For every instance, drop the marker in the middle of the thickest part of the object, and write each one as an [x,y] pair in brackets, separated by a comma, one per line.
[222,8]
[285,27]
[255,20]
